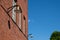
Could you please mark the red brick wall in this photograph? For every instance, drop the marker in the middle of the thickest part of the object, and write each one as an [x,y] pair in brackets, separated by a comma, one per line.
[14,33]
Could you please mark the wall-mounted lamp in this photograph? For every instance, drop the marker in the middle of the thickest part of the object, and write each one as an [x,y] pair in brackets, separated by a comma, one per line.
[18,8]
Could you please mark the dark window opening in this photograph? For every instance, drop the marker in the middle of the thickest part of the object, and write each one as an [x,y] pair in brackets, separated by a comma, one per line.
[24,18]
[15,0]
[9,24]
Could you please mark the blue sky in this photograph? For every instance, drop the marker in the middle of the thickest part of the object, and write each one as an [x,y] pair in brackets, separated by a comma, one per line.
[43,18]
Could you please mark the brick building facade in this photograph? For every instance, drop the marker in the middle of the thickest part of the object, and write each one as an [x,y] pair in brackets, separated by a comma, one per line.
[13,20]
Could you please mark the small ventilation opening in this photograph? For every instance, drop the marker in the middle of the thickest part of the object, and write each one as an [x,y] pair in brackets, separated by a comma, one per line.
[15,0]
[24,18]
[9,24]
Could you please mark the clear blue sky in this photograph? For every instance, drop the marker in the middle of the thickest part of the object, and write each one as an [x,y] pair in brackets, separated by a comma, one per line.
[43,18]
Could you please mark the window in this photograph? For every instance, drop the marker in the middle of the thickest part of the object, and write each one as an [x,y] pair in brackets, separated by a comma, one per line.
[13,12]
